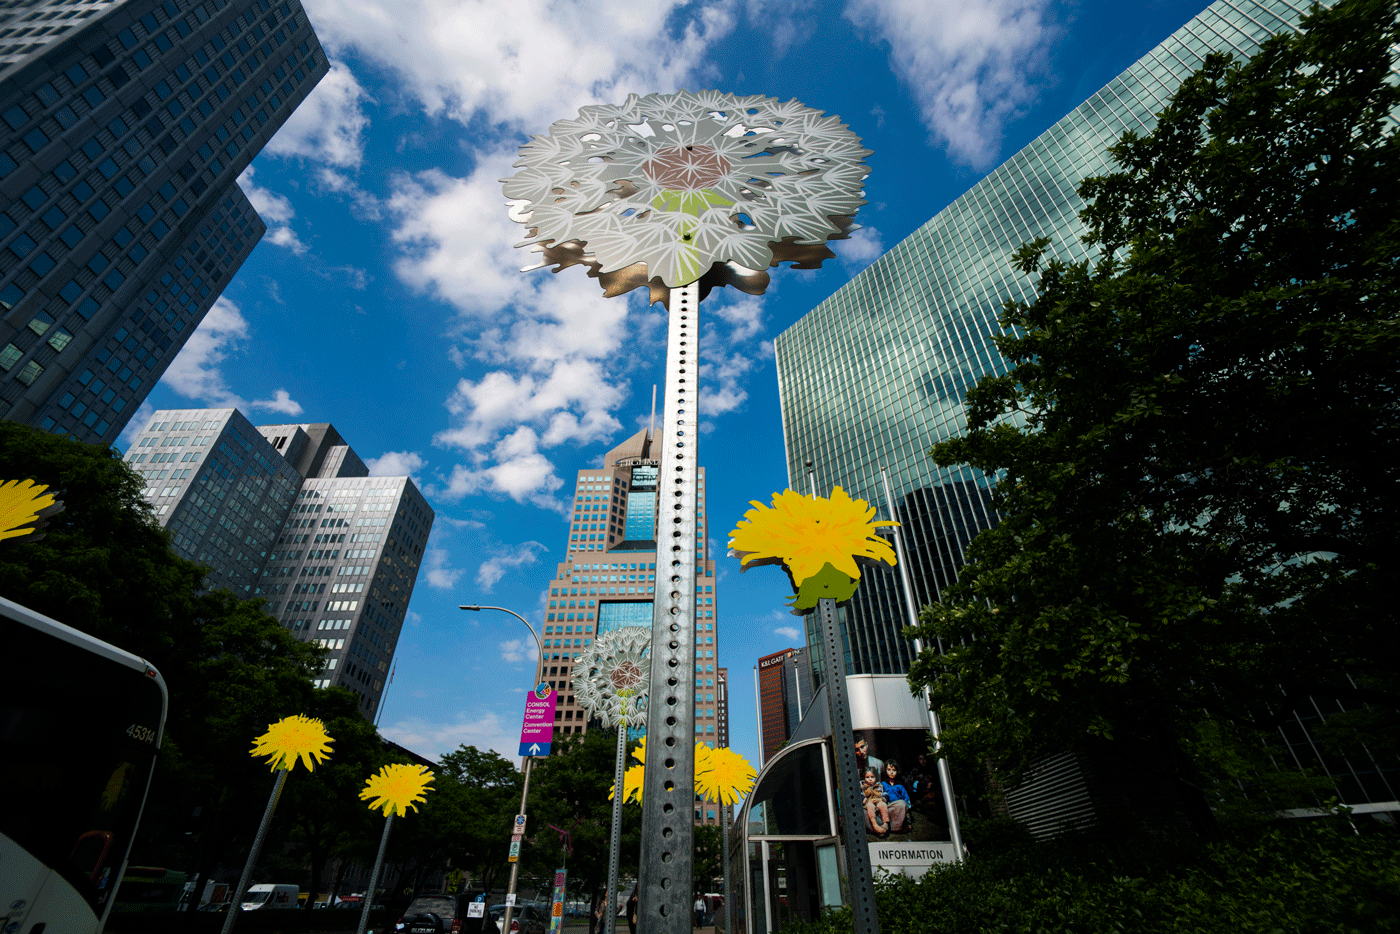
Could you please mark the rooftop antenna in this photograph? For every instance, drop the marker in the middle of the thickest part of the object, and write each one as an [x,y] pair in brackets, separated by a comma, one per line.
[652,426]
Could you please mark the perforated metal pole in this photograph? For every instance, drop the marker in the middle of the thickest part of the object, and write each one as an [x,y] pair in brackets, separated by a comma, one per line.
[615,843]
[237,904]
[852,814]
[374,875]
[668,792]
[725,822]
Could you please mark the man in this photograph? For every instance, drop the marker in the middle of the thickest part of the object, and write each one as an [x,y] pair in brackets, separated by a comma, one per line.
[699,911]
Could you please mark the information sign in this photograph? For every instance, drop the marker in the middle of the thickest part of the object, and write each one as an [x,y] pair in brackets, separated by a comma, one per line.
[514,852]
[476,910]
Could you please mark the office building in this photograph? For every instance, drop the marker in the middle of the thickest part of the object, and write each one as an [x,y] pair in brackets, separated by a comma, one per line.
[289,513]
[608,581]
[123,129]
[783,688]
[877,373]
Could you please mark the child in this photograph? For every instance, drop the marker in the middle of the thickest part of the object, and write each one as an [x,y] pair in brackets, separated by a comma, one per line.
[876,811]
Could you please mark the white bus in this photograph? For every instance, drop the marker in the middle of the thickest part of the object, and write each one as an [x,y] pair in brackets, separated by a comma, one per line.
[81,722]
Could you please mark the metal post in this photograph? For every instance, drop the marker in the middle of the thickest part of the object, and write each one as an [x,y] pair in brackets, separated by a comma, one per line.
[758,715]
[236,905]
[726,817]
[539,649]
[615,844]
[515,867]
[374,875]
[945,775]
[668,832]
[848,782]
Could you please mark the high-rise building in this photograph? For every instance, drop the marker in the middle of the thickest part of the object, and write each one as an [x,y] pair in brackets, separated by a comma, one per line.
[290,513]
[877,373]
[608,581]
[783,685]
[123,129]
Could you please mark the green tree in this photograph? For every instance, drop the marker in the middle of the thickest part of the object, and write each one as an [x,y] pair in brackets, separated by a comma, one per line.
[570,789]
[106,568]
[709,856]
[1197,444]
[490,797]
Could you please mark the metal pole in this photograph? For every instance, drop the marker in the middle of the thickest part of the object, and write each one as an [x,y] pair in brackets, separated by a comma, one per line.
[666,874]
[726,817]
[525,791]
[374,875]
[515,867]
[236,905]
[615,844]
[848,782]
[758,715]
[945,775]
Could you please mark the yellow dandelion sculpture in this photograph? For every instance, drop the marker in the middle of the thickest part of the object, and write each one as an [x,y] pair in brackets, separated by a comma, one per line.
[728,778]
[632,778]
[293,737]
[25,507]
[821,543]
[396,788]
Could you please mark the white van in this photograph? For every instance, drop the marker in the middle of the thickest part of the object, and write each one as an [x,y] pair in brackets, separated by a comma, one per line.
[270,896]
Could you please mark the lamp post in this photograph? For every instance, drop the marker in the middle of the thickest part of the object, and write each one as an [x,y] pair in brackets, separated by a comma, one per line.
[524,791]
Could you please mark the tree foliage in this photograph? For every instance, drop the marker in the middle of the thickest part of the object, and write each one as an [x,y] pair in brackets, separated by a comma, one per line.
[1197,444]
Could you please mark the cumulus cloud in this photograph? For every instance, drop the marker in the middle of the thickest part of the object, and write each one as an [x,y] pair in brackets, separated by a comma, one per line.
[196,373]
[516,651]
[396,464]
[438,570]
[862,248]
[522,64]
[484,730]
[971,65]
[276,210]
[503,559]
[329,125]
[788,632]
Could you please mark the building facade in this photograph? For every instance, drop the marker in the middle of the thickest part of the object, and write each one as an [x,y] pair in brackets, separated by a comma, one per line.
[123,129]
[608,581]
[783,688]
[289,513]
[877,373]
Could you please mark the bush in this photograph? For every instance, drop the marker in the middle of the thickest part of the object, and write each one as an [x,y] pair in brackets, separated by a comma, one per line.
[1296,879]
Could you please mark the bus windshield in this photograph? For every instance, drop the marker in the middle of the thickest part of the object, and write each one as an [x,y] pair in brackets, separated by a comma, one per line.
[80,726]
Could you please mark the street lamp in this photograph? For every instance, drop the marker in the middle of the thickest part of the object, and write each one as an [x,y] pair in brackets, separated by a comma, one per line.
[515,867]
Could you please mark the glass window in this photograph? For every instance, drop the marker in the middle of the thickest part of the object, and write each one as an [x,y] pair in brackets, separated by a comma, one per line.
[59,339]
[10,356]
[40,323]
[29,373]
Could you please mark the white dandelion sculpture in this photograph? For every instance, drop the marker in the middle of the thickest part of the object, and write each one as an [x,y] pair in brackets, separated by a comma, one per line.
[668,189]
[610,678]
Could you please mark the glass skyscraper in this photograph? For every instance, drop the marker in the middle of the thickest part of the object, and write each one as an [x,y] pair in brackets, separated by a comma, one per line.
[123,129]
[877,373]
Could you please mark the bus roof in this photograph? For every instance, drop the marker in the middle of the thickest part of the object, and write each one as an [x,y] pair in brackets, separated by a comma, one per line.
[23,614]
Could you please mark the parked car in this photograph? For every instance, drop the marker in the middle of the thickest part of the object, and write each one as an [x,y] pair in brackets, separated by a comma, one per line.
[525,919]
[434,914]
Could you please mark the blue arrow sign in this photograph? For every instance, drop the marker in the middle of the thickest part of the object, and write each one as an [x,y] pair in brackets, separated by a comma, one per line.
[534,749]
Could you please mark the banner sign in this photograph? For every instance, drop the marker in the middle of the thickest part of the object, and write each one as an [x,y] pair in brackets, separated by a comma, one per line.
[537,730]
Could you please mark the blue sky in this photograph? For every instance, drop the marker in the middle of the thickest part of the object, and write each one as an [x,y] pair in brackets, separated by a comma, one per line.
[386,298]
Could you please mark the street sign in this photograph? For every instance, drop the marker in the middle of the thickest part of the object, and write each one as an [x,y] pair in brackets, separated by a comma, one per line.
[537,729]
[476,910]
[514,852]
[510,899]
[519,823]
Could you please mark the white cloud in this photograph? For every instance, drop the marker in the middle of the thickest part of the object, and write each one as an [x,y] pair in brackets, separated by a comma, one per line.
[523,64]
[396,464]
[438,570]
[971,65]
[862,248]
[788,632]
[504,558]
[135,424]
[196,374]
[276,210]
[517,651]
[484,731]
[329,125]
